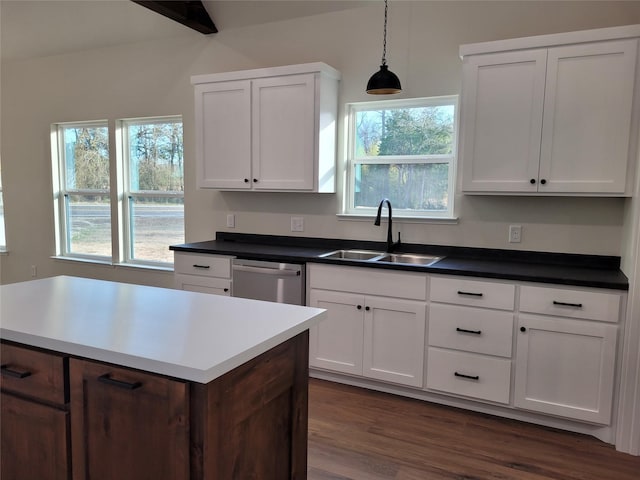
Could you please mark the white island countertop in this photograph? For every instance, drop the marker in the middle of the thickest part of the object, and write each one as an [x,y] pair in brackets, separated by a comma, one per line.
[192,336]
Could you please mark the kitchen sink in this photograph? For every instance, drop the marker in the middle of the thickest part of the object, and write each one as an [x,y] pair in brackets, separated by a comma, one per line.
[352,255]
[383,257]
[410,258]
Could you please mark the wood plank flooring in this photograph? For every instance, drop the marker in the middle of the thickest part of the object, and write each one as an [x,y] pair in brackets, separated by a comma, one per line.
[357,434]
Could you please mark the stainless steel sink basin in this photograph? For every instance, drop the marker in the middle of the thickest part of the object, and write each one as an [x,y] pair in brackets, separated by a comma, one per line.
[352,255]
[373,256]
[410,258]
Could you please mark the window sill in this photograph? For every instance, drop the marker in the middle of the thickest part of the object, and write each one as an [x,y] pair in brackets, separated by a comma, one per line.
[168,268]
[397,219]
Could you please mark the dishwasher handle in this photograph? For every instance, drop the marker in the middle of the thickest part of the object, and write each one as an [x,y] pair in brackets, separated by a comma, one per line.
[266,271]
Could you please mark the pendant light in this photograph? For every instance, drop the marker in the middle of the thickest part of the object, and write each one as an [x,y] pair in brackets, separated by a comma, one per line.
[384,81]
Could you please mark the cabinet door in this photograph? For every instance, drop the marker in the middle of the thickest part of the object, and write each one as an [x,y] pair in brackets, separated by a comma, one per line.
[394,340]
[336,342]
[35,440]
[587,117]
[223,135]
[192,283]
[127,424]
[502,103]
[565,367]
[284,142]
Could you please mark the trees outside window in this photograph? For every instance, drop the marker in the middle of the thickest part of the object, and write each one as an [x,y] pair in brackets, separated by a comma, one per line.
[403,150]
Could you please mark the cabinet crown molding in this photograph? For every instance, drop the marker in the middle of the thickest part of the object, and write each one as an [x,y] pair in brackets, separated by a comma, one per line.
[315,67]
[538,41]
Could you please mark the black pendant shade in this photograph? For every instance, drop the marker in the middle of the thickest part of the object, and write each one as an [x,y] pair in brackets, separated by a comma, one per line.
[383,82]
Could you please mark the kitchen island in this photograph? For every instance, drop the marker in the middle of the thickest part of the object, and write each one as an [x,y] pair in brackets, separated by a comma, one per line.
[109,380]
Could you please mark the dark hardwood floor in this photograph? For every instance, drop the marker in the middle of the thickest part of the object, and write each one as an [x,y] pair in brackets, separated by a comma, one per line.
[363,435]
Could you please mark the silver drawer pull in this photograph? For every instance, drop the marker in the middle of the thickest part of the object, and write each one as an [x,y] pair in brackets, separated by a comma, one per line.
[565,304]
[464,330]
[471,294]
[470,377]
[205,267]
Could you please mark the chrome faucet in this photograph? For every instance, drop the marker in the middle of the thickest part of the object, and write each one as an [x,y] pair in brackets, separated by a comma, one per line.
[390,244]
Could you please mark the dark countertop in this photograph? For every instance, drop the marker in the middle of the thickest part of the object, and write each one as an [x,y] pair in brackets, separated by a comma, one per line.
[555,268]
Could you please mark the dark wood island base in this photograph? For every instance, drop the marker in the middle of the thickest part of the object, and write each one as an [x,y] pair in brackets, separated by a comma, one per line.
[250,423]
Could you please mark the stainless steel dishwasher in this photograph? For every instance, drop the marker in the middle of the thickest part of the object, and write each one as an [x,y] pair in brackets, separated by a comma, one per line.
[270,281]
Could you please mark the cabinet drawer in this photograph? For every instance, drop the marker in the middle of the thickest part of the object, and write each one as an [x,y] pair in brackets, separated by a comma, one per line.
[471,329]
[192,283]
[202,264]
[589,305]
[34,373]
[472,292]
[469,374]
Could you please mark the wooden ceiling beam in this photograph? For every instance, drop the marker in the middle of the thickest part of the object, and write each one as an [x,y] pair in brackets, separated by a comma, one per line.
[187,12]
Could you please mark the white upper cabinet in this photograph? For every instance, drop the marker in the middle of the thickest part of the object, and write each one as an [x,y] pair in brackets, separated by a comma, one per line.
[552,120]
[500,154]
[271,129]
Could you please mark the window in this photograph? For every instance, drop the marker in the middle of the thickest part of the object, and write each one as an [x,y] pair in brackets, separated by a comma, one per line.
[134,220]
[83,190]
[3,238]
[154,188]
[403,150]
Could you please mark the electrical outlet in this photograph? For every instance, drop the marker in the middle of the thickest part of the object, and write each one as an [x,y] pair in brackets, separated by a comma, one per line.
[34,271]
[231,220]
[297,224]
[515,233]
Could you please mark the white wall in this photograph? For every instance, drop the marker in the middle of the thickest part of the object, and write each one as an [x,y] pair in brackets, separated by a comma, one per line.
[152,78]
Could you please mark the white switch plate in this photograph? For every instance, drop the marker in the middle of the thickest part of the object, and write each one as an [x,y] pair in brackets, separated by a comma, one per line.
[515,233]
[231,220]
[297,224]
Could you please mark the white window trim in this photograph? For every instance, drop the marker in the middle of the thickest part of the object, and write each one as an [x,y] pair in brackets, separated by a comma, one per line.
[348,211]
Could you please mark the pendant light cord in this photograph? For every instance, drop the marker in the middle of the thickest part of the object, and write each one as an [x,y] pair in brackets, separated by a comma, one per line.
[384,43]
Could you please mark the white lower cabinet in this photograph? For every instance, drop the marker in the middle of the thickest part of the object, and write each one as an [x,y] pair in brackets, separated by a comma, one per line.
[470,338]
[394,340]
[566,352]
[368,335]
[565,367]
[336,343]
[533,349]
[203,273]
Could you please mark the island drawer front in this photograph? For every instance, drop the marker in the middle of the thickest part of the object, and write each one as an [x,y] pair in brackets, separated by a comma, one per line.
[473,330]
[34,373]
[202,264]
[472,293]
[589,305]
[469,374]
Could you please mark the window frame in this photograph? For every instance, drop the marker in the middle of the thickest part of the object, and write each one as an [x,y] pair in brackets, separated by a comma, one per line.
[128,196]
[3,226]
[351,160]
[120,196]
[61,193]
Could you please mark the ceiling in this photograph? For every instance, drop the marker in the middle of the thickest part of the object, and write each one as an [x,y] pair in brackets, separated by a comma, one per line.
[37,28]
